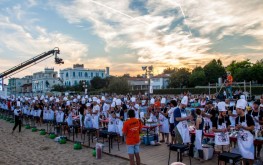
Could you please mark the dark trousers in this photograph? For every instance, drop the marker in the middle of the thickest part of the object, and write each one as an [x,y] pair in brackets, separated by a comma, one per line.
[18,122]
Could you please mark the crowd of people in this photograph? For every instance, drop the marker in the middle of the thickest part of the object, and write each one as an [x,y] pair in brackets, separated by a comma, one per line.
[176,115]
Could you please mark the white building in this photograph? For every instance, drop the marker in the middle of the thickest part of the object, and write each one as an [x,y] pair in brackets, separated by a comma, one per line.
[73,76]
[160,81]
[141,84]
[44,81]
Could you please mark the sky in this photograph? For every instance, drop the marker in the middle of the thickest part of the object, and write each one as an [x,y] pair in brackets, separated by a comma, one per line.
[128,34]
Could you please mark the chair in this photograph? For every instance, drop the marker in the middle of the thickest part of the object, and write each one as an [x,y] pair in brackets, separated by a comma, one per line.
[228,157]
[111,136]
[90,132]
[179,148]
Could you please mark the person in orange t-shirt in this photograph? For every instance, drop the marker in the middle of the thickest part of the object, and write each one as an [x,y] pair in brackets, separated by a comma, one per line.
[229,82]
[131,129]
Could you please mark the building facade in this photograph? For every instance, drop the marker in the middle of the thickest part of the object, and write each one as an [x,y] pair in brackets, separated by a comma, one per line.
[141,84]
[43,82]
[16,86]
[160,81]
[13,87]
[77,74]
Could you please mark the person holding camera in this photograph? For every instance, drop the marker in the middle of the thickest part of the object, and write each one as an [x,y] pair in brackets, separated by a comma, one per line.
[18,121]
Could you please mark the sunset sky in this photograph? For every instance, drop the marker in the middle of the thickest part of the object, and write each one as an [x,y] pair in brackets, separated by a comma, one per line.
[128,34]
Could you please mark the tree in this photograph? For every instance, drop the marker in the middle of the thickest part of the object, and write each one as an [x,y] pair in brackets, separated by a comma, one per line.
[256,72]
[197,77]
[98,83]
[118,85]
[179,79]
[58,88]
[240,70]
[169,70]
[126,75]
[139,76]
[213,70]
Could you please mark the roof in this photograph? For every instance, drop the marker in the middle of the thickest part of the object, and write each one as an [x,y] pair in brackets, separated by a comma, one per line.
[162,76]
[137,79]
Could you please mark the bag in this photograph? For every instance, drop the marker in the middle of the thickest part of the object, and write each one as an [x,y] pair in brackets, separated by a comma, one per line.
[207,152]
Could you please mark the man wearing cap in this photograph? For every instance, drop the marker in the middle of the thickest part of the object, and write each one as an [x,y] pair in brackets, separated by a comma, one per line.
[257,116]
[245,125]
[181,125]
[221,126]
[18,115]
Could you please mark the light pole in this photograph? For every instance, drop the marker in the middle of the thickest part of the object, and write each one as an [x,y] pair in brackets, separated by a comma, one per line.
[148,70]
[84,85]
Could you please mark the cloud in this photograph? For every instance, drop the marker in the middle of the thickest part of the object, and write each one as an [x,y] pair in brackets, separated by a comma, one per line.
[22,41]
[160,33]
[149,34]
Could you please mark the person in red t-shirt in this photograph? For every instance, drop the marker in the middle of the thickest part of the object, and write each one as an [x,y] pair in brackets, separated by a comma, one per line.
[131,129]
[229,82]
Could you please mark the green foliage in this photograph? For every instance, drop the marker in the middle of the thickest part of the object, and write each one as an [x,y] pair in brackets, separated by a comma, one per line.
[180,78]
[58,88]
[169,70]
[197,78]
[256,72]
[213,70]
[118,85]
[98,83]
[245,70]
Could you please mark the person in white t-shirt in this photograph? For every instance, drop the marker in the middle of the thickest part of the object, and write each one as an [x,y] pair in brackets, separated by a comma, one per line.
[95,116]
[173,105]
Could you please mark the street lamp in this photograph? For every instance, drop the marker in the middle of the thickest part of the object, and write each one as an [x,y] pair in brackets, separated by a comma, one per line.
[148,70]
[84,85]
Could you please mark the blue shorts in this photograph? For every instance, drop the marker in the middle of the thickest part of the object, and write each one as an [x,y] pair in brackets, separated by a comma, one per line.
[133,149]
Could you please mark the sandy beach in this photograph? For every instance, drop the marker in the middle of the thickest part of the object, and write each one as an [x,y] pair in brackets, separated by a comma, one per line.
[31,148]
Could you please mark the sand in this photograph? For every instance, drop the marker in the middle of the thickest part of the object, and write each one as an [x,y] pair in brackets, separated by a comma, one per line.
[31,148]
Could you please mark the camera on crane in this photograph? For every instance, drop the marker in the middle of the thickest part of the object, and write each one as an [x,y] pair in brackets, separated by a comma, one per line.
[59,61]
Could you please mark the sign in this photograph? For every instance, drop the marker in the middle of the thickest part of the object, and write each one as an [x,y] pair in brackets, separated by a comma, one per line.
[1,84]
[151,89]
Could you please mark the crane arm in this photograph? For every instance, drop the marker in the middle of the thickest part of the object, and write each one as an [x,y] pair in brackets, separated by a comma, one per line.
[55,51]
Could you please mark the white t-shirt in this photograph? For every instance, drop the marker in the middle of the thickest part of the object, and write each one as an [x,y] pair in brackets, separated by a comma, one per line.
[171,114]
[96,108]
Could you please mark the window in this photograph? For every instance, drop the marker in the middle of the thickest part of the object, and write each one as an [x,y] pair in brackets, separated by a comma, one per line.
[80,74]
[102,74]
[86,74]
[97,74]
[74,74]
[75,82]
[156,87]
[69,84]
[91,74]
[67,74]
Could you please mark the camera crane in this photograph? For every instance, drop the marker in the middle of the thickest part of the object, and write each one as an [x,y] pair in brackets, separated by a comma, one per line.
[33,61]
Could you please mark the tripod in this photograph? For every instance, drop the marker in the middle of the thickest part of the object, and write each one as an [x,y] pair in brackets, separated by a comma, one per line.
[223,84]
